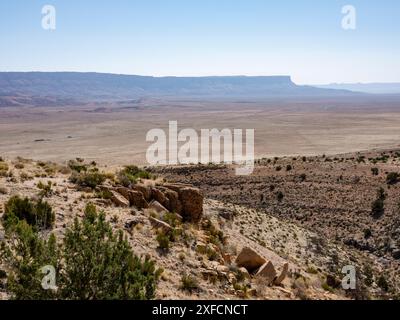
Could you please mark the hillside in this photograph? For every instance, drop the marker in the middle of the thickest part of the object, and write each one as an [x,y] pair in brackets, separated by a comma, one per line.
[209,248]
[221,232]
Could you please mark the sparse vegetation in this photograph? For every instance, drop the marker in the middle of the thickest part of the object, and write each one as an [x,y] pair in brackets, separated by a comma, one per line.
[45,189]
[37,214]
[280,196]
[378,206]
[189,283]
[89,179]
[91,263]
[163,241]
[3,169]
[130,174]
[392,178]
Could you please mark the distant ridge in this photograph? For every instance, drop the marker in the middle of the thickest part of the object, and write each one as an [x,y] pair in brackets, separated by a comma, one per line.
[374,88]
[100,86]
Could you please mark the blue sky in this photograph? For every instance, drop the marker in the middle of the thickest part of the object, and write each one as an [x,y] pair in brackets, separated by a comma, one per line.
[301,38]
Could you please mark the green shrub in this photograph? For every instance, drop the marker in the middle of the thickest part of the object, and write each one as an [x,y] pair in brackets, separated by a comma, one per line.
[45,189]
[38,214]
[92,263]
[3,169]
[89,179]
[289,167]
[375,171]
[172,219]
[216,235]
[280,196]
[189,283]
[383,283]
[378,206]
[130,174]
[77,166]
[163,241]
[392,178]
[24,254]
[104,194]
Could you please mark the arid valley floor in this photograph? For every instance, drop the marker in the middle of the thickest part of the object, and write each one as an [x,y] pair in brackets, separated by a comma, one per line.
[115,133]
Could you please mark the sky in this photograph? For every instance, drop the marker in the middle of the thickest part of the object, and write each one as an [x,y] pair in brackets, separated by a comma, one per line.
[300,38]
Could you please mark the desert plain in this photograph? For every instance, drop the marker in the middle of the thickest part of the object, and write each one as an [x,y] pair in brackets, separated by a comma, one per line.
[114,133]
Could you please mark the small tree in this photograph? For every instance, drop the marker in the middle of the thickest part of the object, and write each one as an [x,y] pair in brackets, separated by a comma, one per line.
[378,206]
[38,214]
[92,263]
[392,178]
[25,254]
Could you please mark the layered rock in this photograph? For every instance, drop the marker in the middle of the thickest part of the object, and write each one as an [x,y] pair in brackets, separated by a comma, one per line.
[184,200]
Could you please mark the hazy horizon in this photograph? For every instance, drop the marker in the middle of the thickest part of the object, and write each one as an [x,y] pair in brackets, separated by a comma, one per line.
[205,76]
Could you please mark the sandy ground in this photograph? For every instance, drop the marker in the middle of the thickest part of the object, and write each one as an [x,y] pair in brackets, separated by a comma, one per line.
[116,133]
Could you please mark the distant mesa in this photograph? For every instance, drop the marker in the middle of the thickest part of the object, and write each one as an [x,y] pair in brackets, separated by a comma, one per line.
[65,88]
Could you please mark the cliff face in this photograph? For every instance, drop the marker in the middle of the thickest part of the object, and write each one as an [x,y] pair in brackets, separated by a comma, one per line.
[110,86]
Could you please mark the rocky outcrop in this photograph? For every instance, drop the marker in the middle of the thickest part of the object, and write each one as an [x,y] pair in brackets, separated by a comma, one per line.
[250,260]
[137,200]
[184,200]
[163,226]
[118,199]
[192,204]
[174,204]
[146,191]
[157,207]
[158,196]
[267,272]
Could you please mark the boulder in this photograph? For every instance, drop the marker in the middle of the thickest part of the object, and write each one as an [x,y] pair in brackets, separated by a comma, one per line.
[144,190]
[158,224]
[249,259]
[159,196]
[278,281]
[118,199]
[268,272]
[174,204]
[157,207]
[192,204]
[137,200]
[123,191]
